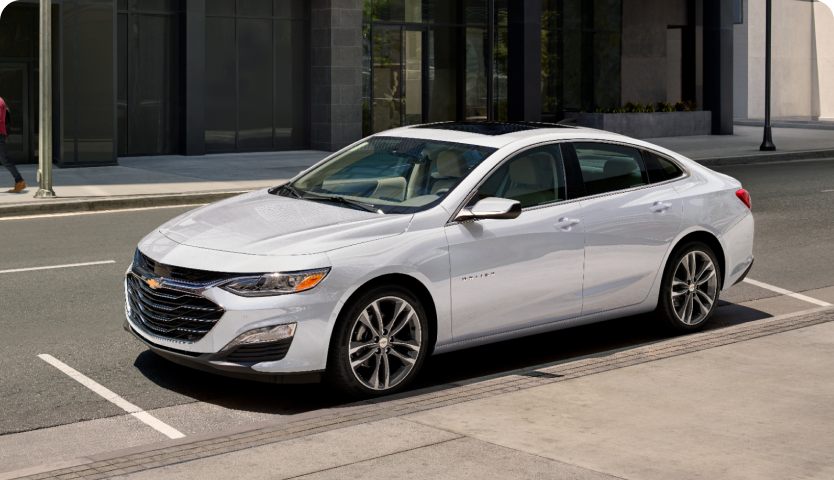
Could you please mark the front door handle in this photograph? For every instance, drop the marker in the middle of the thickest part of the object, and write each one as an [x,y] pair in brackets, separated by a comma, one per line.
[565,223]
[660,207]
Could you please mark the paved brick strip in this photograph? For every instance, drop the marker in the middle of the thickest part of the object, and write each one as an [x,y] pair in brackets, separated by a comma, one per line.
[436,397]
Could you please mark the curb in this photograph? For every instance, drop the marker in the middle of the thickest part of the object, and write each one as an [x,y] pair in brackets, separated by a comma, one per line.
[49,207]
[766,158]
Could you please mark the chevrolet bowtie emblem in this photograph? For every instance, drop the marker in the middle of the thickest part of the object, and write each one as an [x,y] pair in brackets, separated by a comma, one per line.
[153,283]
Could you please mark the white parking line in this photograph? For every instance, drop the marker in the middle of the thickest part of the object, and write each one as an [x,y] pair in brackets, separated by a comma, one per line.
[789,293]
[120,402]
[105,262]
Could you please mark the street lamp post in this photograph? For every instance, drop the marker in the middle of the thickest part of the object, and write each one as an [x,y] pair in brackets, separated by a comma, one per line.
[767,142]
[45,113]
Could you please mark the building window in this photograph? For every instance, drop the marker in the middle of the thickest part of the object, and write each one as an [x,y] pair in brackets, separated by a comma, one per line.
[581,50]
[256,81]
[147,81]
[738,11]
[424,61]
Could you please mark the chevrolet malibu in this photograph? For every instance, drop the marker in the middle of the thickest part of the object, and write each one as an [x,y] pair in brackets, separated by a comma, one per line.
[427,239]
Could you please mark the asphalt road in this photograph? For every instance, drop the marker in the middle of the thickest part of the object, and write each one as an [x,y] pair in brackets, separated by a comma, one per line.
[76,314]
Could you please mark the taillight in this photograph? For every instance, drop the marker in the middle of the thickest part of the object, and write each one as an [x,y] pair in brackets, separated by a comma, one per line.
[745,198]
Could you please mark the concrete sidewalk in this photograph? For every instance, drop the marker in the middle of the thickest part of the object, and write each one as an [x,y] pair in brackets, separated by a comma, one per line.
[176,180]
[750,401]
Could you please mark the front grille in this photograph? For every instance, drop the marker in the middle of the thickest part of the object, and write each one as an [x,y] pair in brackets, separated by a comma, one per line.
[171,313]
[268,352]
[187,275]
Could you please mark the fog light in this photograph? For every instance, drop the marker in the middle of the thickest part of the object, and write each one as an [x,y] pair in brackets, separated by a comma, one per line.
[263,335]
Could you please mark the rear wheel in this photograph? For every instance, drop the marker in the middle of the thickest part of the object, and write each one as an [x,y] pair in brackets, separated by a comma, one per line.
[379,343]
[689,292]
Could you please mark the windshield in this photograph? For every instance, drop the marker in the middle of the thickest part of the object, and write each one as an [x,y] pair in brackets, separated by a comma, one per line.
[392,175]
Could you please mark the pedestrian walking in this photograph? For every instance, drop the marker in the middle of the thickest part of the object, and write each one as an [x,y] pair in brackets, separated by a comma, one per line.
[5,118]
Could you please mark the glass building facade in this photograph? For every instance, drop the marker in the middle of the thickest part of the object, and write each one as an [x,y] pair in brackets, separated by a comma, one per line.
[195,77]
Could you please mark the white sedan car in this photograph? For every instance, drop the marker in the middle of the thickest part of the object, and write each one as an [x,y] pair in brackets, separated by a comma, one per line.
[428,239]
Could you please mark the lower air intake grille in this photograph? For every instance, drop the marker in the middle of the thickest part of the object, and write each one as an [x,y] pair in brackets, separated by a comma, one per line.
[263,352]
[169,313]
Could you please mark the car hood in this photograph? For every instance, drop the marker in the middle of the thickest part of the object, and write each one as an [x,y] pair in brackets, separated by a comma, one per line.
[259,223]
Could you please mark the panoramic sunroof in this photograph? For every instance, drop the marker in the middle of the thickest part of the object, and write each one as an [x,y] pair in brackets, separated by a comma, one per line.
[490,128]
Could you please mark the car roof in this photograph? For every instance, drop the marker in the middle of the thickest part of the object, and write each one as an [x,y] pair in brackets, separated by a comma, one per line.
[493,134]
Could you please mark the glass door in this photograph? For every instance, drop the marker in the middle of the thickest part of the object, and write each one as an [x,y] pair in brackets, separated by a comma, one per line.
[398,76]
[14,90]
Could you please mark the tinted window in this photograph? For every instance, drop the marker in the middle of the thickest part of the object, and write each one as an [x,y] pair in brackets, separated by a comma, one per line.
[608,168]
[660,169]
[534,177]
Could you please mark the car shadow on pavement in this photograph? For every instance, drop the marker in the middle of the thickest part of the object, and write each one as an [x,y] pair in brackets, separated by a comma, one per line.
[463,365]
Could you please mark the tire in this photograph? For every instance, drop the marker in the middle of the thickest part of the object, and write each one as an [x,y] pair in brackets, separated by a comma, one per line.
[388,362]
[687,301]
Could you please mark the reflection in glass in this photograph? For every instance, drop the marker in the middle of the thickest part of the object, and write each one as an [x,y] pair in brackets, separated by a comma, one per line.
[152,85]
[95,84]
[290,111]
[221,91]
[469,12]
[16,31]
[255,84]
[396,10]
[68,99]
[476,65]
[443,68]
[366,79]
[413,93]
[254,8]
[220,7]
[387,89]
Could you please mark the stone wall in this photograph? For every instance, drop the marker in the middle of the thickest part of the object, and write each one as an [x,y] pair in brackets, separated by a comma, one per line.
[648,125]
[336,73]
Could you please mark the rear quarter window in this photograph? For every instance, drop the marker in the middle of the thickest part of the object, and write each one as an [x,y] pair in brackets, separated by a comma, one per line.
[660,169]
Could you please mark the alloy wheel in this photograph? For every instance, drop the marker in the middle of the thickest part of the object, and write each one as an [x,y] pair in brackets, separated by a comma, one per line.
[384,343]
[694,288]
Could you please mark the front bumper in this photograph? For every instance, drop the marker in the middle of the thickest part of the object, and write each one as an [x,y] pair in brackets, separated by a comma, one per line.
[313,311]
[219,362]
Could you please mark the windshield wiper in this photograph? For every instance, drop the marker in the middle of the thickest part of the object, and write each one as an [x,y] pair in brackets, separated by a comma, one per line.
[346,201]
[333,198]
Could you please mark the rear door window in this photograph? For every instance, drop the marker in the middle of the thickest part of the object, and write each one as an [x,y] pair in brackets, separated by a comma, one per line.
[660,169]
[608,168]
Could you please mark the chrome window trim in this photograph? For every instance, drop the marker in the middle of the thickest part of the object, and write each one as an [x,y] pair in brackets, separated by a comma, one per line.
[686,174]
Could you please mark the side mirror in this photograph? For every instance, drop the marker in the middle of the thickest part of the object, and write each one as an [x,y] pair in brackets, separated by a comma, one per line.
[498,208]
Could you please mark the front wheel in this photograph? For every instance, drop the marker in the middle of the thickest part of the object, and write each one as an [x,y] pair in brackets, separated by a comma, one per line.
[378,344]
[689,292]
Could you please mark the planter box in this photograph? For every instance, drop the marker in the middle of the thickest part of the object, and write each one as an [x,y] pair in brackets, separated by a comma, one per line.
[647,125]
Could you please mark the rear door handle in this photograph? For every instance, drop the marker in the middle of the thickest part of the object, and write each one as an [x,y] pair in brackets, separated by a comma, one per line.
[660,206]
[565,223]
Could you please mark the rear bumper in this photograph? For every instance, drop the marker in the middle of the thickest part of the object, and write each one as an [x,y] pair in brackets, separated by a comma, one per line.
[744,275]
[218,363]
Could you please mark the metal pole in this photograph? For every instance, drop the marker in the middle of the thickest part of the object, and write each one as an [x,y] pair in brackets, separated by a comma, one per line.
[767,142]
[45,103]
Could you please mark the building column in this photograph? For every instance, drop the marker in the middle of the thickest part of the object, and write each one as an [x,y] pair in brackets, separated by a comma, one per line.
[524,61]
[192,71]
[718,64]
[336,73]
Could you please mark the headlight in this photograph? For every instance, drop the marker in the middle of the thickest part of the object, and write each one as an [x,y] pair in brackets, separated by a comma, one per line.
[276,283]
[263,335]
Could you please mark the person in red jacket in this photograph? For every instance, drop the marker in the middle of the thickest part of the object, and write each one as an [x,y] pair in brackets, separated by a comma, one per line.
[19,184]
